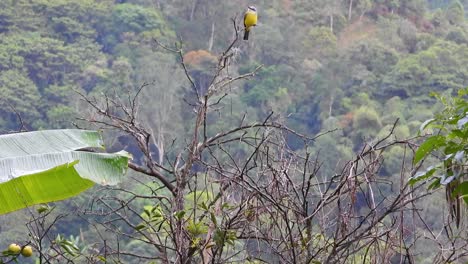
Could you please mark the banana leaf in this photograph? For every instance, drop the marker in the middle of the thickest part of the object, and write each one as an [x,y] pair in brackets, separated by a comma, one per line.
[45,166]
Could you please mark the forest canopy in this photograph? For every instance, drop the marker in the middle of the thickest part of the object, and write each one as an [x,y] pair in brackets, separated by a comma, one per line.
[358,73]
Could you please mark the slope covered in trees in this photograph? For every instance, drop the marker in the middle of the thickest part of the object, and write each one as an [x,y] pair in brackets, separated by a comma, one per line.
[354,65]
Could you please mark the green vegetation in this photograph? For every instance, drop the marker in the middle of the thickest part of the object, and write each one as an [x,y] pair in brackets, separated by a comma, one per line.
[449,141]
[353,67]
[46,166]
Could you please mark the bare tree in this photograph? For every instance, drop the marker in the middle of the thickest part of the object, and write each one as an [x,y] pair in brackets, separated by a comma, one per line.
[240,193]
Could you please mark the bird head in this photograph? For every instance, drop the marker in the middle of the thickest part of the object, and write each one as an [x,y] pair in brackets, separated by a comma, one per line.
[253,8]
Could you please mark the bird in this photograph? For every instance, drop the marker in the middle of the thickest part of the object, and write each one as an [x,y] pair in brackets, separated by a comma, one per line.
[250,20]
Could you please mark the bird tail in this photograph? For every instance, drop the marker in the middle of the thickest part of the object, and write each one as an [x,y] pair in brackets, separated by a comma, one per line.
[246,34]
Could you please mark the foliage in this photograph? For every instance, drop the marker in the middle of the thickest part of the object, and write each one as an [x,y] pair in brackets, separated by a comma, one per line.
[449,142]
[133,18]
[20,95]
[353,65]
[437,69]
[455,13]
[320,42]
[366,123]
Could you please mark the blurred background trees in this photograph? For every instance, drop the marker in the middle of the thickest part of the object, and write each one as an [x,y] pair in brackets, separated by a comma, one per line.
[354,65]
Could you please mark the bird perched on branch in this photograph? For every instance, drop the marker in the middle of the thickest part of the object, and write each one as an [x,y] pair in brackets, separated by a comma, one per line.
[250,20]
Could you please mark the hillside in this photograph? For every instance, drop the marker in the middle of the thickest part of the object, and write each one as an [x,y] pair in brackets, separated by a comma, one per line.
[352,67]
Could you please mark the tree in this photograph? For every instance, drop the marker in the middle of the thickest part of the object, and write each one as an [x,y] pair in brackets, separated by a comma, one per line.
[412,8]
[20,97]
[320,43]
[332,9]
[366,123]
[439,68]
[362,7]
[160,111]
[239,192]
[455,13]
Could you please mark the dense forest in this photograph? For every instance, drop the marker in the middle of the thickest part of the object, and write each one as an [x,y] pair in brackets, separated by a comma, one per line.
[351,71]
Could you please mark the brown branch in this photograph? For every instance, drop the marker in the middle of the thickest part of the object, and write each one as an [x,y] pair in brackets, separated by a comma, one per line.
[153,173]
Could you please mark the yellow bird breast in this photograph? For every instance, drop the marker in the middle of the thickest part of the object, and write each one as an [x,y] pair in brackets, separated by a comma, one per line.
[250,19]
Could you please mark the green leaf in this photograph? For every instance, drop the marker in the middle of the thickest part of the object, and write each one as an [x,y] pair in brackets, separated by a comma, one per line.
[197,228]
[42,209]
[203,206]
[456,133]
[434,185]
[462,122]
[231,237]
[48,141]
[69,249]
[428,146]
[452,147]
[57,183]
[459,156]
[446,180]
[422,175]
[213,219]
[179,215]
[425,124]
[140,227]
[218,237]
[147,212]
[462,189]
[45,166]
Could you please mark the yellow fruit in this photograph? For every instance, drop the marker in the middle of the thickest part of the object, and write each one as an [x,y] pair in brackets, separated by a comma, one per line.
[14,248]
[27,251]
